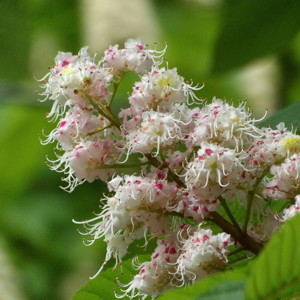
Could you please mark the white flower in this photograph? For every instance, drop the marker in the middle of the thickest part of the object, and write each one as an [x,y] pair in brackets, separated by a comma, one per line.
[215,164]
[191,204]
[74,127]
[224,124]
[137,57]
[152,280]
[114,59]
[70,74]
[291,211]
[156,130]
[289,144]
[285,181]
[133,211]
[200,252]
[89,160]
[160,89]
[134,57]
[271,148]
[155,276]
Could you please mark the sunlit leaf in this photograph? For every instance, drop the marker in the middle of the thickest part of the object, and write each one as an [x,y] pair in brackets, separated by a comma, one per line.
[212,286]
[276,273]
[225,290]
[105,285]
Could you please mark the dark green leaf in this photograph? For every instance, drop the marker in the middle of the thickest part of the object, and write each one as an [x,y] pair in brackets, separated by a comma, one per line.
[252,29]
[212,286]
[276,273]
[104,286]
[289,115]
[233,290]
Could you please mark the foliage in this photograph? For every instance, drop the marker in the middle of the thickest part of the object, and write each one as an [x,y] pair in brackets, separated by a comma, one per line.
[289,115]
[273,275]
[252,29]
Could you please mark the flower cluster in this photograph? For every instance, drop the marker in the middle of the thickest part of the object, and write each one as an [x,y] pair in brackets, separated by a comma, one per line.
[189,165]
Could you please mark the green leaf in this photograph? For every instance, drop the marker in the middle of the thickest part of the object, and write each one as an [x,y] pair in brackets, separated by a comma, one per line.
[213,287]
[252,29]
[103,287]
[276,273]
[137,248]
[225,290]
[289,115]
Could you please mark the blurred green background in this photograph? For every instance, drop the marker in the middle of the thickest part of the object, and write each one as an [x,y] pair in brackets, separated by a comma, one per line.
[239,49]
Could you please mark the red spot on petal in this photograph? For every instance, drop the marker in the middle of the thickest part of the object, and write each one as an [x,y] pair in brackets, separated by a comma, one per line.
[64,63]
[195,208]
[208,152]
[173,251]
[62,123]
[205,237]
[159,186]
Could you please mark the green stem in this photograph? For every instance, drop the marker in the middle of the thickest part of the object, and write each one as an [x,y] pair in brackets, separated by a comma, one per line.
[248,210]
[189,158]
[101,109]
[251,194]
[230,215]
[110,115]
[238,259]
[116,85]
[250,198]
[97,130]
[235,251]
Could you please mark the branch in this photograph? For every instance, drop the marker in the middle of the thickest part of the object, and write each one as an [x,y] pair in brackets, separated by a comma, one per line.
[170,175]
[243,239]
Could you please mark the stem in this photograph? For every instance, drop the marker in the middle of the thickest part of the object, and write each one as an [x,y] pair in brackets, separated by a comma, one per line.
[238,259]
[99,129]
[188,159]
[164,165]
[250,198]
[230,215]
[102,110]
[243,239]
[116,85]
[251,194]
[170,175]
[107,110]
[235,251]
[248,210]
